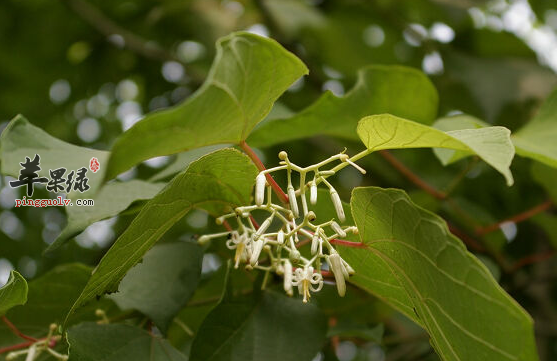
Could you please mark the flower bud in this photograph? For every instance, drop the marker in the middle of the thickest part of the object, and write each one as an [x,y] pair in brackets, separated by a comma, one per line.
[204,239]
[315,243]
[313,192]
[295,255]
[293,202]
[31,353]
[282,155]
[338,205]
[288,278]
[260,189]
[338,229]
[336,267]
[257,247]
[266,223]
[349,269]
[280,237]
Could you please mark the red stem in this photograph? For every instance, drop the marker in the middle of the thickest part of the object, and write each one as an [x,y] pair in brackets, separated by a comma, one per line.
[255,159]
[16,331]
[533,258]
[398,165]
[254,222]
[345,243]
[23,345]
[517,218]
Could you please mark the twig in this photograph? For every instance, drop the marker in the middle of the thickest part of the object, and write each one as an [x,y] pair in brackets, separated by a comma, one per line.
[16,331]
[533,258]
[398,165]
[255,159]
[107,27]
[516,218]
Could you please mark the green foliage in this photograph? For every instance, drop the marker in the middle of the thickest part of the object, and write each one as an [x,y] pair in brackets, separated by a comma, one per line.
[415,264]
[284,328]
[249,73]
[400,91]
[13,293]
[492,144]
[215,182]
[163,283]
[118,342]
[536,140]
[416,289]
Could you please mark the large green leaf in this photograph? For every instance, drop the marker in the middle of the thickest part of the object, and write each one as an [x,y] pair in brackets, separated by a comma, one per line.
[265,328]
[397,90]
[117,342]
[112,199]
[49,300]
[536,139]
[14,292]
[216,181]
[21,139]
[248,74]
[163,283]
[492,144]
[434,280]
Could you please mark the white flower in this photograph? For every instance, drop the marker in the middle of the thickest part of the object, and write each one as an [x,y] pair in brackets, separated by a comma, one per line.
[260,189]
[305,279]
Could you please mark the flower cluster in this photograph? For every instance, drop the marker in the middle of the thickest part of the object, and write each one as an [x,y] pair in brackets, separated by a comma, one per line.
[273,245]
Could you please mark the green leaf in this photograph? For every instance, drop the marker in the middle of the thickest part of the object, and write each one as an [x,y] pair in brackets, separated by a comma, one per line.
[536,139]
[217,181]
[248,74]
[163,283]
[434,280]
[398,90]
[546,177]
[491,144]
[183,160]
[457,122]
[112,199]
[21,139]
[267,328]
[117,342]
[14,292]
[49,300]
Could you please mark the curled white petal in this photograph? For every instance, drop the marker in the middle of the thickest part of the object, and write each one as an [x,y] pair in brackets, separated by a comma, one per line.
[292,200]
[260,189]
[313,193]
[337,203]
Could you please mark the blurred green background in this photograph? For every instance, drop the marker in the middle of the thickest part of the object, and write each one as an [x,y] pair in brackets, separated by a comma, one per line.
[86,70]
